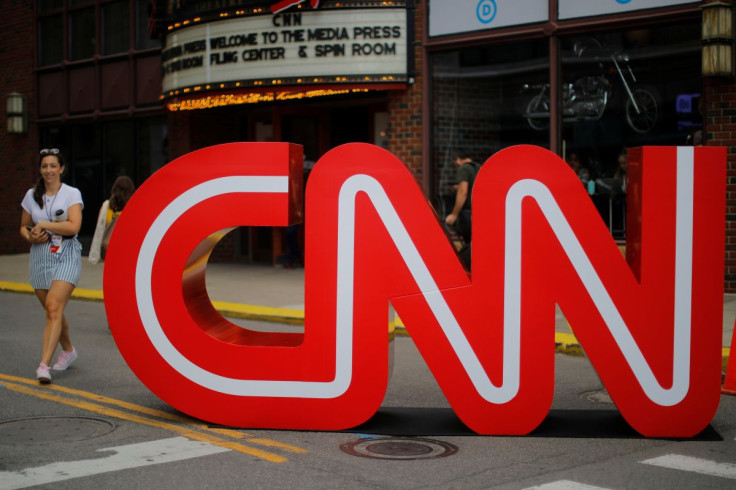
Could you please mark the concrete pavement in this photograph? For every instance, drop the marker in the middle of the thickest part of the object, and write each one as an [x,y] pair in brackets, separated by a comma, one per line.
[270,294]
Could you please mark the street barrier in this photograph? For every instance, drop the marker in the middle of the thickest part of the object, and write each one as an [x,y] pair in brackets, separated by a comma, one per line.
[650,327]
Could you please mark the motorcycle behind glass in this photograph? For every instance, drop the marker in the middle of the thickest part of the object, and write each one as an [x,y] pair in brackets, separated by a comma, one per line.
[588,96]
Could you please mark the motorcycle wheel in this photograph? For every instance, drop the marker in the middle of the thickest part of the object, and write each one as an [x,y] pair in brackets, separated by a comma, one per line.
[537,104]
[646,118]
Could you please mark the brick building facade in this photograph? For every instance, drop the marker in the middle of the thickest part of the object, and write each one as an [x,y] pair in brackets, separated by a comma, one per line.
[425,120]
[18,151]
[720,130]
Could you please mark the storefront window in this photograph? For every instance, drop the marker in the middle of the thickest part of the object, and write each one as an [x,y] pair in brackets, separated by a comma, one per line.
[50,45]
[625,89]
[86,160]
[153,146]
[115,27]
[82,34]
[118,151]
[630,88]
[480,98]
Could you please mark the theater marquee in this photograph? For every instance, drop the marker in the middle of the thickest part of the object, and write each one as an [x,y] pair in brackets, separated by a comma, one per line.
[311,48]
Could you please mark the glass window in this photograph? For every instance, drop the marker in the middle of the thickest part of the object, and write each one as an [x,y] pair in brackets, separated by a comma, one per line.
[119,151]
[50,37]
[81,34]
[86,163]
[625,89]
[481,99]
[142,40]
[115,27]
[153,146]
[46,5]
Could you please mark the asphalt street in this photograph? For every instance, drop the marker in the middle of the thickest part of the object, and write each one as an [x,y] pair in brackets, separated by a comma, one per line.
[97,426]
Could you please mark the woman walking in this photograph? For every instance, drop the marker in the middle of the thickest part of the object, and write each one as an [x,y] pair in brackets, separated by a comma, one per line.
[122,190]
[50,221]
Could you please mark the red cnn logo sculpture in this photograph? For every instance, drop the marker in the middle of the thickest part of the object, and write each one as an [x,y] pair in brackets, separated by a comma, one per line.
[651,327]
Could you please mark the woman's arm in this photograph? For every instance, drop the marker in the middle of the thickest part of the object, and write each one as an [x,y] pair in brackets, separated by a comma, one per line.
[29,232]
[67,228]
[96,246]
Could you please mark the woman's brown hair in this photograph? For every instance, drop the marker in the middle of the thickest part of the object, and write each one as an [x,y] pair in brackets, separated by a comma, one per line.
[122,189]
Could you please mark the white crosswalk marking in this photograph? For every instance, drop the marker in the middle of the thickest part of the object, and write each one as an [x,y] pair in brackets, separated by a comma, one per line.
[696,465]
[130,456]
[565,485]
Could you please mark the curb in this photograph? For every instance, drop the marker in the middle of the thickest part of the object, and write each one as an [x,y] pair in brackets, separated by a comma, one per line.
[565,343]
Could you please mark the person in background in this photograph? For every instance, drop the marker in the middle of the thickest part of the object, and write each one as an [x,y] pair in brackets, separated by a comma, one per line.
[50,221]
[122,190]
[460,216]
[623,166]
[576,164]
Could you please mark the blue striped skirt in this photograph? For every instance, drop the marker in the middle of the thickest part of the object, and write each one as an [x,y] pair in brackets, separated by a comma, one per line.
[46,267]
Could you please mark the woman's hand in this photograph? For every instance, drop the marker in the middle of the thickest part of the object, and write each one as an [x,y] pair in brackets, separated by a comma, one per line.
[38,235]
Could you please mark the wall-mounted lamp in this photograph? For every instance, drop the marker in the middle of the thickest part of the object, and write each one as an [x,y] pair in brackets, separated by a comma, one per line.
[718,39]
[16,111]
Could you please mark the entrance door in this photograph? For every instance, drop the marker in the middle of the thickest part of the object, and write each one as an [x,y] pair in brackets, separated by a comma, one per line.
[320,130]
[317,130]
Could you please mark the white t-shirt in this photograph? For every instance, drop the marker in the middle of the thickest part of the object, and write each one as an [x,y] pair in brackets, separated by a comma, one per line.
[63,200]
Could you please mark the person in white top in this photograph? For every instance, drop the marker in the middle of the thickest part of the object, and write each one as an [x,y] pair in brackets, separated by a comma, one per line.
[50,221]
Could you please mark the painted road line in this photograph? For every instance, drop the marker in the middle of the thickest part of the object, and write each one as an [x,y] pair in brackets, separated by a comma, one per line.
[694,465]
[235,434]
[125,457]
[565,485]
[110,401]
[185,431]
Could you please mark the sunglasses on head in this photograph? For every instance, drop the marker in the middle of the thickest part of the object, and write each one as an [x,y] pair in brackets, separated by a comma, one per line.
[49,151]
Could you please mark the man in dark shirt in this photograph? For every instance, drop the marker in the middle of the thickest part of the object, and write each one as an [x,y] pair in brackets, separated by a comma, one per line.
[460,216]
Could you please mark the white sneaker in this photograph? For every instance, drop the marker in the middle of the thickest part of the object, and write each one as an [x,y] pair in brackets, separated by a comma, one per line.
[42,374]
[65,359]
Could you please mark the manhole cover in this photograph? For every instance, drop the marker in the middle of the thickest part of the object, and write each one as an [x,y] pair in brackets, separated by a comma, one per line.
[399,448]
[598,396]
[47,430]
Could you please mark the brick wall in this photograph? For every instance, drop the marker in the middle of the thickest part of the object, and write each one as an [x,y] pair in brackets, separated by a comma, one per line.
[405,112]
[18,162]
[719,117]
[720,125]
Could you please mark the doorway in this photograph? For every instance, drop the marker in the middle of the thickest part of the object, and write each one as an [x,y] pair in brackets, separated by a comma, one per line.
[317,129]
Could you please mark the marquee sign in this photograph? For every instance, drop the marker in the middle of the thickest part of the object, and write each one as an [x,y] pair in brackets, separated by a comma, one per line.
[651,327]
[315,47]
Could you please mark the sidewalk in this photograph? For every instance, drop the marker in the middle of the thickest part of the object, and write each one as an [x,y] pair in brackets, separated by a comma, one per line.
[260,292]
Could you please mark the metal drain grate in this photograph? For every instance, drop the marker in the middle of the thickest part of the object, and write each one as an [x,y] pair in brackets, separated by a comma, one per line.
[399,448]
[48,430]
